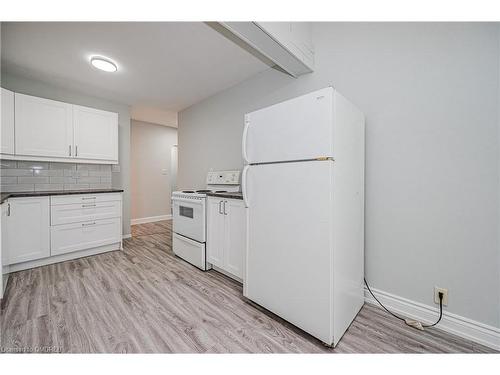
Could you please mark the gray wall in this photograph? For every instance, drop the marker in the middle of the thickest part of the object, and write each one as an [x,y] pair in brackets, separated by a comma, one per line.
[120,179]
[150,146]
[430,96]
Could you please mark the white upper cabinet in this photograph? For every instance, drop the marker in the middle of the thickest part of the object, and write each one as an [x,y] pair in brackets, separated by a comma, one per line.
[89,122]
[57,131]
[7,109]
[43,127]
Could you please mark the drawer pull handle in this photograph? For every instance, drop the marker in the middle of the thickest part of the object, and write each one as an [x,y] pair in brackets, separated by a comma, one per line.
[88,224]
[85,199]
[88,205]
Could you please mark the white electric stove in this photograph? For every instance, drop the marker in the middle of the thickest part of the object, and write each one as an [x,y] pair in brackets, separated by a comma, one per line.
[189,216]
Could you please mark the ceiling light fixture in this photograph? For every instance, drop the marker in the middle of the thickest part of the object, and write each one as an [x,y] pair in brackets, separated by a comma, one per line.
[103,63]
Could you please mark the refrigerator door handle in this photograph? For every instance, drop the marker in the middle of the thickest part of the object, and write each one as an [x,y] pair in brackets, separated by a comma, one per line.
[244,184]
[244,141]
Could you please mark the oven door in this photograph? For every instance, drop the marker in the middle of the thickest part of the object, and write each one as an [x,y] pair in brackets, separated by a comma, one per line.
[189,218]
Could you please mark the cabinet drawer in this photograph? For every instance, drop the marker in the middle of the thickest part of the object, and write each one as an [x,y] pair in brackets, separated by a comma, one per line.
[78,236]
[78,212]
[85,198]
[189,250]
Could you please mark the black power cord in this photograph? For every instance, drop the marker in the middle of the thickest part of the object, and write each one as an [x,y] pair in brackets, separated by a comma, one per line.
[413,324]
[440,294]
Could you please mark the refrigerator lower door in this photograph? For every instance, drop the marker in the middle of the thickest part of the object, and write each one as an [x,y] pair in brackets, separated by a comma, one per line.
[289,265]
[297,129]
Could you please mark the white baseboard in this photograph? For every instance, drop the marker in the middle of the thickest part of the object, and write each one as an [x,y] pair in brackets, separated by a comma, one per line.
[452,323]
[150,219]
[125,236]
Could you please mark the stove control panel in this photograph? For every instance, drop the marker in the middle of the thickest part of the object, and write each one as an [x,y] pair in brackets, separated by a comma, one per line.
[223,178]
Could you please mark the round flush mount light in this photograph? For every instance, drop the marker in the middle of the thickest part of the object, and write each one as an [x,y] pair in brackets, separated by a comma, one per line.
[103,63]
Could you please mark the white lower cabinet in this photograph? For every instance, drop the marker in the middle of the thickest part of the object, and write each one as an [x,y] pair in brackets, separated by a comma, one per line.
[84,221]
[27,229]
[43,230]
[67,238]
[215,232]
[3,259]
[85,211]
[226,235]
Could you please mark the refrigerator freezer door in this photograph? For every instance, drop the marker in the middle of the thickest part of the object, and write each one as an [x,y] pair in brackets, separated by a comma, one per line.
[297,129]
[290,234]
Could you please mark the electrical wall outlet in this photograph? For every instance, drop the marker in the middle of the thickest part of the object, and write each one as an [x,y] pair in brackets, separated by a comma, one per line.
[445,295]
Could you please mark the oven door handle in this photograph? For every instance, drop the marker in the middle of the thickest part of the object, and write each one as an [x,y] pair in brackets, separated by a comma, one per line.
[186,200]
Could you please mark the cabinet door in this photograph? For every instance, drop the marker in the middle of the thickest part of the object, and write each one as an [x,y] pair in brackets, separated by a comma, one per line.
[235,237]
[43,127]
[7,109]
[27,229]
[3,235]
[215,232]
[67,238]
[96,133]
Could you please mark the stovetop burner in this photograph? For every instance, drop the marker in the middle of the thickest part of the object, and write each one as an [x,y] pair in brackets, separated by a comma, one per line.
[203,191]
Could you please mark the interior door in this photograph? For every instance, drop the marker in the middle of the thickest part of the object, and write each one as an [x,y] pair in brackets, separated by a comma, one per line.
[290,254]
[96,133]
[43,127]
[215,232]
[297,129]
[235,237]
[7,109]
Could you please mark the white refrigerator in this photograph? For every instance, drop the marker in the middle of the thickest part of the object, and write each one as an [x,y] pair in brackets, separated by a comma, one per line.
[303,184]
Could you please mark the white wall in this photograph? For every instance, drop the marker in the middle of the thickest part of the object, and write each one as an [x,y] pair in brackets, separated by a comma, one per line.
[153,115]
[150,154]
[430,95]
[120,179]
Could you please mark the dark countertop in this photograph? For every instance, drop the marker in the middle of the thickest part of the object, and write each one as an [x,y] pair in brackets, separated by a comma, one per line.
[228,195]
[5,196]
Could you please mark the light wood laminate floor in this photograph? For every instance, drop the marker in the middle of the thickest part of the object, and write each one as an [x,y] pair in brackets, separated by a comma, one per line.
[144,299]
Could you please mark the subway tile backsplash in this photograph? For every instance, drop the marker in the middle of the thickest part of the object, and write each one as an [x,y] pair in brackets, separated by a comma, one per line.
[22,176]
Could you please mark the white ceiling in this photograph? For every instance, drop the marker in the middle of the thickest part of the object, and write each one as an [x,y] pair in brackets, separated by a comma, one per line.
[166,65]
